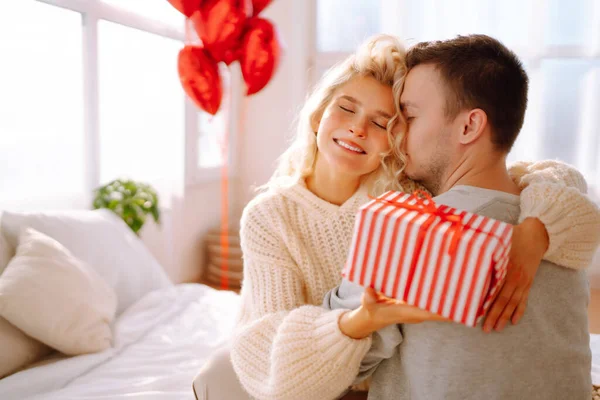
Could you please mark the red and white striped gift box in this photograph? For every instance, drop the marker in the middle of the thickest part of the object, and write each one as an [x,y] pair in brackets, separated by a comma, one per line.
[437,258]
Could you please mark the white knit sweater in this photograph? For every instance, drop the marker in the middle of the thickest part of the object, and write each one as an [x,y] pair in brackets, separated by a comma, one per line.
[295,244]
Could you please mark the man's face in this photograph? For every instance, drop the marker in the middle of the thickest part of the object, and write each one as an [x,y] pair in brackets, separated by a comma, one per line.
[428,144]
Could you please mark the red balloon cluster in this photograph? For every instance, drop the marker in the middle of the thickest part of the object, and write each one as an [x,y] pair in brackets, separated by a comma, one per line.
[230,30]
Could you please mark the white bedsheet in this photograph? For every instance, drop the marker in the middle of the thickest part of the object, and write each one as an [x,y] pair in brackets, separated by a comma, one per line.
[160,344]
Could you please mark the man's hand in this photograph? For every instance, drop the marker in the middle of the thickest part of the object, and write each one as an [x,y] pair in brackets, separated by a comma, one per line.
[378,311]
[529,243]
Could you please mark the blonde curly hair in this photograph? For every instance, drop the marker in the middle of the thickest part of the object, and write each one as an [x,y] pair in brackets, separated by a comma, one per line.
[381,57]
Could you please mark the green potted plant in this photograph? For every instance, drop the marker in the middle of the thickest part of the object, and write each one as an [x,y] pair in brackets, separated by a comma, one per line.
[130,200]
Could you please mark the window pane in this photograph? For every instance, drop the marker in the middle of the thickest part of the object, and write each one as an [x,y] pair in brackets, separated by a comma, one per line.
[516,33]
[588,143]
[422,20]
[41,101]
[344,24]
[461,17]
[563,95]
[568,22]
[417,20]
[212,129]
[210,139]
[159,10]
[141,107]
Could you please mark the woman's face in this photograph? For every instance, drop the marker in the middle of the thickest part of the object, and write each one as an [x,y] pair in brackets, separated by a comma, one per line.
[352,131]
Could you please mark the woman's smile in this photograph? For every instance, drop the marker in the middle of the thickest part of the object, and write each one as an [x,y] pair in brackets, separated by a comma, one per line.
[349,146]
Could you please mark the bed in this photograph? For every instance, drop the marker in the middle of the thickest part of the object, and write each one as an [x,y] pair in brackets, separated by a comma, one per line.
[160,344]
[162,333]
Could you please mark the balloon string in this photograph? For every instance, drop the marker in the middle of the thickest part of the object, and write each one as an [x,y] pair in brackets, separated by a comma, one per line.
[224,222]
[225,199]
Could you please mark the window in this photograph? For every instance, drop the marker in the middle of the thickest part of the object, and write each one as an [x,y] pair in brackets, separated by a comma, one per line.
[559,45]
[215,131]
[210,139]
[142,118]
[41,109]
[90,93]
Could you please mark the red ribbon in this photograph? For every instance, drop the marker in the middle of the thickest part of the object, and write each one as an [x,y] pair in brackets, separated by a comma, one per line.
[426,205]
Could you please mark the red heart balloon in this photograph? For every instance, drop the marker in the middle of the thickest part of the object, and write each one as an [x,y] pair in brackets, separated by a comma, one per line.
[220,25]
[186,7]
[259,5]
[261,50]
[199,76]
[229,55]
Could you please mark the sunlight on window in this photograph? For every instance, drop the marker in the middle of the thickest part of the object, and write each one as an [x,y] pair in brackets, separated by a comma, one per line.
[568,22]
[159,10]
[588,144]
[343,24]
[562,106]
[141,107]
[41,101]
[212,129]
[553,41]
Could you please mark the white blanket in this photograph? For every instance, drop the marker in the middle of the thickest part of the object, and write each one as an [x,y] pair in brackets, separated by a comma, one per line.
[160,344]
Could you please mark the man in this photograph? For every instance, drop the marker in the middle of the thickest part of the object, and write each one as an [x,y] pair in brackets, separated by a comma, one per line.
[464,101]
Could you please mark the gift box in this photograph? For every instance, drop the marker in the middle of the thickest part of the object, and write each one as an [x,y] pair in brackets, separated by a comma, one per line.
[437,258]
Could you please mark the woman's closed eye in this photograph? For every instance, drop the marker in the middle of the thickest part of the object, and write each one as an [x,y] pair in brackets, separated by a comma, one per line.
[347,109]
[380,125]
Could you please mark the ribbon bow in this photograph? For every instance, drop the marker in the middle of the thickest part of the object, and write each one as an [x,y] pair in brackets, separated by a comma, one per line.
[425,204]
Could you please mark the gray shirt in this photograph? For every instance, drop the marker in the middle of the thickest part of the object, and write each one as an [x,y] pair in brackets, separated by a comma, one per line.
[546,356]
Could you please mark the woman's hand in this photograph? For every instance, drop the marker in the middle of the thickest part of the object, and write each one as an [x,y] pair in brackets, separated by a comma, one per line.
[529,243]
[378,311]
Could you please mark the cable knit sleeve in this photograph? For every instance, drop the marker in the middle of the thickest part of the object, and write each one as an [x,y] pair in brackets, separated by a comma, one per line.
[555,193]
[283,348]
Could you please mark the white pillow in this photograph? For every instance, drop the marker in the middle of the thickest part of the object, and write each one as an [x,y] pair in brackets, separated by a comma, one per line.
[102,240]
[6,253]
[17,350]
[56,298]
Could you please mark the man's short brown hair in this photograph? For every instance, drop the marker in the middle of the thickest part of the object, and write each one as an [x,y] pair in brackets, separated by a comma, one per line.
[479,72]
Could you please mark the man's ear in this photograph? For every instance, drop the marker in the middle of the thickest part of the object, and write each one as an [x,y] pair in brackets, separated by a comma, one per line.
[475,123]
